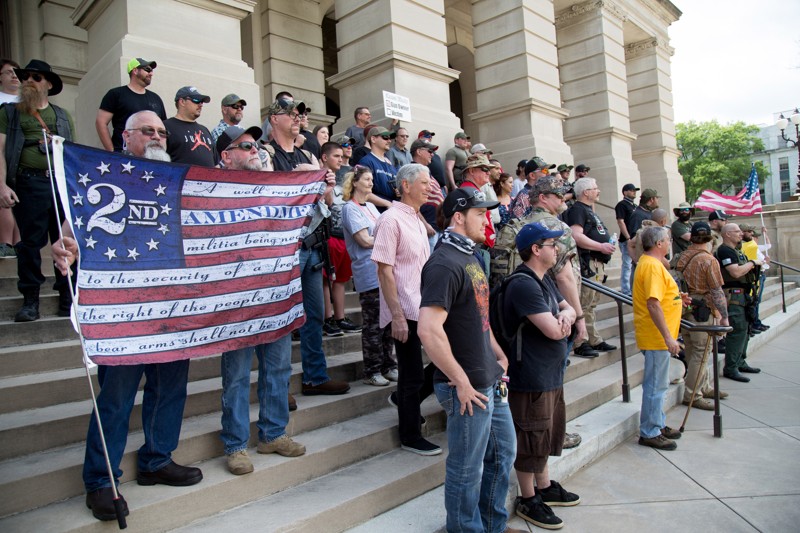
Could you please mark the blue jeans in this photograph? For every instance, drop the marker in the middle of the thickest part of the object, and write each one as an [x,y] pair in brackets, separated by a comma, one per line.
[654,387]
[162,412]
[315,368]
[625,275]
[482,448]
[274,370]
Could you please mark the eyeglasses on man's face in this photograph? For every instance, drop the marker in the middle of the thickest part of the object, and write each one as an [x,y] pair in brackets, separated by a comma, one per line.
[237,107]
[24,75]
[246,146]
[146,69]
[149,131]
[198,101]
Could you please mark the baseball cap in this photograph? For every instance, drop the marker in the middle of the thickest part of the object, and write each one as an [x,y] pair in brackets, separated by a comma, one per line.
[548,185]
[582,168]
[282,106]
[535,232]
[717,214]
[478,160]
[139,62]
[522,163]
[630,187]
[191,92]
[233,99]
[419,143]
[700,228]
[343,139]
[463,199]
[480,149]
[649,193]
[381,131]
[746,227]
[461,135]
[232,133]
[563,167]
[425,133]
[537,163]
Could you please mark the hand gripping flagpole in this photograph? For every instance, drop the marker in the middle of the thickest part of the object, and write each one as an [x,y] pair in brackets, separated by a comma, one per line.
[118,509]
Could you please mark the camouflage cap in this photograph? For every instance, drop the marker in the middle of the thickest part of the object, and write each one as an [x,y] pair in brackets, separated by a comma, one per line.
[548,185]
[479,160]
[283,106]
[746,227]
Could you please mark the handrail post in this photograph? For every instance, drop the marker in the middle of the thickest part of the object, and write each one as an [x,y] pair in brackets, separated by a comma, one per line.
[626,390]
[717,415]
[783,291]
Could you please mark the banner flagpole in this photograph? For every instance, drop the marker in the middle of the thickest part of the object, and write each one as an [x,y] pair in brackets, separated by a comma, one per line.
[118,509]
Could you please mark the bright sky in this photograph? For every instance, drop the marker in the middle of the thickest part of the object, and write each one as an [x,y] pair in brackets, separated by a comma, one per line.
[735,59]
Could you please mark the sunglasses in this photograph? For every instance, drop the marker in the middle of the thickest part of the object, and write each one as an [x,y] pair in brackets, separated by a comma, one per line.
[237,107]
[485,169]
[148,131]
[194,100]
[24,75]
[385,137]
[246,146]
[146,69]
[346,145]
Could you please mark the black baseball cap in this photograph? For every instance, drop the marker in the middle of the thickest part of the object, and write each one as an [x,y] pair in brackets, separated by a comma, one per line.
[582,168]
[630,187]
[717,214]
[463,199]
[700,228]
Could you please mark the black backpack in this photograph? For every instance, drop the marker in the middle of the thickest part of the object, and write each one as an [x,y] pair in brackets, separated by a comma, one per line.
[505,338]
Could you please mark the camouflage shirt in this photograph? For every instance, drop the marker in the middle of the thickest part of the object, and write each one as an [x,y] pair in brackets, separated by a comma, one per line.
[566,248]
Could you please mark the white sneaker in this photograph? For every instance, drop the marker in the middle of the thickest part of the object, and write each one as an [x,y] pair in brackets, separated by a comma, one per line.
[391,375]
[376,380]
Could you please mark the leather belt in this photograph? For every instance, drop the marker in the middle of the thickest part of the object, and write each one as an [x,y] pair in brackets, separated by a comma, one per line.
[33,172]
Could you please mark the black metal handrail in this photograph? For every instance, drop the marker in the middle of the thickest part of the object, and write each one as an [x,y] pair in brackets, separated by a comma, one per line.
[712,330]
[783,289]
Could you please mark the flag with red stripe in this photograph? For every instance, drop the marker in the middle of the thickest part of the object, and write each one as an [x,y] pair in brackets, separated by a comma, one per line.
[746,203]
[179,261]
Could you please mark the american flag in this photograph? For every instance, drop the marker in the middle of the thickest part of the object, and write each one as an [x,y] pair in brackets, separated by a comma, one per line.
[746,203]
[179,261]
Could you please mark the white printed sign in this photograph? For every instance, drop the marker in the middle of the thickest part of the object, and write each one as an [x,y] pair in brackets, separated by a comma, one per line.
[396,106]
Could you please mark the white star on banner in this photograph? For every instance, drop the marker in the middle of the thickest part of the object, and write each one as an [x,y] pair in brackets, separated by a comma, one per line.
[165,209]
[77,200]
[110,253]
[148,175]
[127,167]
[90,242]
[78,222]
[133,254]
[103,168]
[160,190]
[152,245]
[84,179]
[163,228]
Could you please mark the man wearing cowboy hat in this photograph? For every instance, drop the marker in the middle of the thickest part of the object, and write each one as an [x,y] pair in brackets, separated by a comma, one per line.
[25,179]
[681,229]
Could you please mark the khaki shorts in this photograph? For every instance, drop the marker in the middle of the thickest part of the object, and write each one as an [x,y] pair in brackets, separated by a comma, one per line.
[540,419]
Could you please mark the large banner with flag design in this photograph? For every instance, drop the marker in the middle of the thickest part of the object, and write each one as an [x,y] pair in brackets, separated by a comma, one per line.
[179,261]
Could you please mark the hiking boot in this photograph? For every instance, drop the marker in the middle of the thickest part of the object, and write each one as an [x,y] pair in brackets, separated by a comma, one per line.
[584,350]
[710,394]
[557,496]
[64,302]
[571,440]
[670,433]
[422,447]
[239,463]
[701,403]
[659,442]
[330,329]
[283,445]
[538,513]
[376,380]
[347,326]
[101,502]
[391,375]
[30,307]
[604,347]
[329,388]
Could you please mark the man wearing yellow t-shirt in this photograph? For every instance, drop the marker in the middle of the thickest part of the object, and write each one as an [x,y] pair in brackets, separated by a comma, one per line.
[657,308]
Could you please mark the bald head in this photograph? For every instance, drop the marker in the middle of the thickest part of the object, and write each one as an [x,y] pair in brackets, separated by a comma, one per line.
[145,136]
[660,217]
[730,228]
[731,234]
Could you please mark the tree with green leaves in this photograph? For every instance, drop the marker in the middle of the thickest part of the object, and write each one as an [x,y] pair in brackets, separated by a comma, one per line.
[716,156]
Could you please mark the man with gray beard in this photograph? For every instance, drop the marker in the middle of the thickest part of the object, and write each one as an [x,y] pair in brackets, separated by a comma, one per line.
[25,180]
[164,388]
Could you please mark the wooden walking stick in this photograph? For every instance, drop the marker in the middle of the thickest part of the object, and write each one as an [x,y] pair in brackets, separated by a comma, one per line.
[696,383]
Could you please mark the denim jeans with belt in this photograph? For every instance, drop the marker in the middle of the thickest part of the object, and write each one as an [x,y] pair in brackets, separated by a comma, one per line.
[654,388]
[274,370]
[162,413]
[481,453]
[315,368]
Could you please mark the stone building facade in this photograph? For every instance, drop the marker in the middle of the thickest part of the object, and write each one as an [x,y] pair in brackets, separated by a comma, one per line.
[569,81]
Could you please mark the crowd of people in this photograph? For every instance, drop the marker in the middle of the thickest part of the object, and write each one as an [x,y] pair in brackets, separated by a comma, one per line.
[431,246]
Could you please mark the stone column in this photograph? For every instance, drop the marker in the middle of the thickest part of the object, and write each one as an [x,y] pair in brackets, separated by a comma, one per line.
[651,116]
[591,56]
[291,37]
[398,46]
[516,71]
[194,42]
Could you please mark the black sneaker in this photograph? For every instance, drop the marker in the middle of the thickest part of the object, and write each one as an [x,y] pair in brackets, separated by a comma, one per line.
[538,513]
[422,447]
[347,326]
[330,328]
[584,350]
[556,496]
[659,442]
[604,347]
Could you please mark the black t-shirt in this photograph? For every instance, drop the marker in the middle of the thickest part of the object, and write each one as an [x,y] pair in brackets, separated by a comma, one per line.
[542,365]
[583,215]
[640,214]
[190,143]
[287,161]
[730,256]
[624,209]
[122,102]
[436,169]
[358,154]
[311,143]
[456,282]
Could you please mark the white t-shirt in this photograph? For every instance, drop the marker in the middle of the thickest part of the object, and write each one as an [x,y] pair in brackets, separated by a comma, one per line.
[6,98]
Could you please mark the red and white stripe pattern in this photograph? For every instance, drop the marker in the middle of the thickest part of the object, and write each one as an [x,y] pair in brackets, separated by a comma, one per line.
[746,203]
